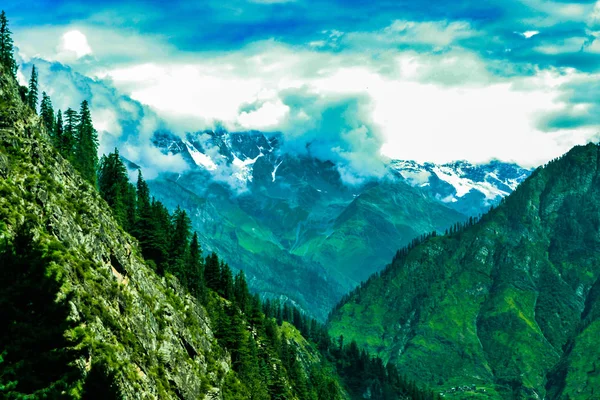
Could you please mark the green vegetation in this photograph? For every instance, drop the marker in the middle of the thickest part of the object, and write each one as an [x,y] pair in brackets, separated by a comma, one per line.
[37,359]
[496,308]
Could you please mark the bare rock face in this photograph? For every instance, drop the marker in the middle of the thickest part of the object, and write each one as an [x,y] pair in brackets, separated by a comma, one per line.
[156,338]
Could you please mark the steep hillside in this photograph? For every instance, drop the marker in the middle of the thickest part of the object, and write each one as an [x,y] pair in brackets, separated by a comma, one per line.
[155,339]
[83,316]
[505,308]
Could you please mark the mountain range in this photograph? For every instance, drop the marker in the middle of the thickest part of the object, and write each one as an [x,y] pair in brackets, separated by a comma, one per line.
[297,228]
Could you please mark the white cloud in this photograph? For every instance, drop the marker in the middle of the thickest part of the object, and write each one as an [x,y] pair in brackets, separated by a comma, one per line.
[73,44]
[428,106]
[438,34]
[528,34]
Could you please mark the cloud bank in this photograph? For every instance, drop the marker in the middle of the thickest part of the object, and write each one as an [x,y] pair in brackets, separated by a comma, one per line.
[352,82]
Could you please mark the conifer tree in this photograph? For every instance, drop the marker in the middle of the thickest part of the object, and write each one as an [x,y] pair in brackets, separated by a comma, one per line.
[143,195]
[7,58]
[146,228]
[158,246]
[240,291]
[225,287]
[212,272]
[67,144]
[86,146]
[116,190]
[179,244]
[47,114]
[58,131]
[32,94]
[195,269]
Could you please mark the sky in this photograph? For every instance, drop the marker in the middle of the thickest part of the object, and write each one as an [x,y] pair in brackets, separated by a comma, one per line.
[360,81]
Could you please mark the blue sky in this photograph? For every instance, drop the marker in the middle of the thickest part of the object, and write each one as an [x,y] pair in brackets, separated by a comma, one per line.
[364,80]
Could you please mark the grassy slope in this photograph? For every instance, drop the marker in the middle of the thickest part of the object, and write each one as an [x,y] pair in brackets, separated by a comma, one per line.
[495,305]
[368,232]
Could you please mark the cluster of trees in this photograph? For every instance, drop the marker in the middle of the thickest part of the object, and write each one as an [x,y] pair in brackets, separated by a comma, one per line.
[33,360]
[73,135]
[361,372]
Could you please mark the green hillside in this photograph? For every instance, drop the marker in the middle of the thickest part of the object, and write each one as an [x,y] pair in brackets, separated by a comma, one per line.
[504,308]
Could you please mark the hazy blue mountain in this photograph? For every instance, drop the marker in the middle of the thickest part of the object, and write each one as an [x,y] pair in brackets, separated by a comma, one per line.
[300,232]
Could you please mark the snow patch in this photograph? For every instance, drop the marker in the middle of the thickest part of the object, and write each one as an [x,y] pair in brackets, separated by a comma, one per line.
[417,177]
[201,159]
[242,169]
[275,170]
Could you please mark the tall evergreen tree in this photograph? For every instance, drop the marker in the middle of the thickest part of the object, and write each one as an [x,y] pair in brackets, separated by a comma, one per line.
[146,227]
[116,190]
[7,58]
[225,287]
[36,358]
[179,244]
[240,291]
[67,143]
[195,269]
[86,146]
[47,114]
[143,195]
[161,232]
[212,272]
[32,94]
[58,131]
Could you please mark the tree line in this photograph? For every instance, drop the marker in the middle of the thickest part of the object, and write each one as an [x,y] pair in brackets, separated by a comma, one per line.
[73,134]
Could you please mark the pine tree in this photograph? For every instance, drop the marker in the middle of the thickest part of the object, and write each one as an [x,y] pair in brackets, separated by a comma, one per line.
[47,114]
[212,272]
[58,131]
[116,190]
[240,291]
[143,195]
[179,244]
[86,146]
[67,143]
[7,58]
[155,242]
[32,94]
[195,269]
[145,229]
[225,287]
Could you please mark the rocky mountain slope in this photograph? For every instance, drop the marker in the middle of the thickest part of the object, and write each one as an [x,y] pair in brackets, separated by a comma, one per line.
[299,230]
[505,308]
[81,314]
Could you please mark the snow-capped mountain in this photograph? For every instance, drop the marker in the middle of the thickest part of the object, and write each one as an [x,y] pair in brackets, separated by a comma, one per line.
[235,152]
[277,214]
[245,157]
[462,185]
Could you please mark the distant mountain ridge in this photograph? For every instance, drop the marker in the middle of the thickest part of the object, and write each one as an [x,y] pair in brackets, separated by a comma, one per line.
[463,186]
[282,215]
